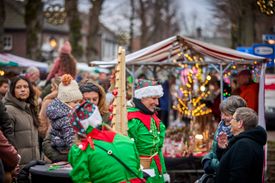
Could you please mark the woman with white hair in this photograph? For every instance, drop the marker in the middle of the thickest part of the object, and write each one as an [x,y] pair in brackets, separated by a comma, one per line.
[244,158]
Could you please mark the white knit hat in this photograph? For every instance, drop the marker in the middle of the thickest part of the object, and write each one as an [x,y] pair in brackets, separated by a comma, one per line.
[147,88]
[68,89]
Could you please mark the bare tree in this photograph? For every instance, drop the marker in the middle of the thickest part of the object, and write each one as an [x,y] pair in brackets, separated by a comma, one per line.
[171,23]
[144,28]
[132,17]
[246,22]
[158,20]
[94,25]
[33,21]
[75,26]
[2,21]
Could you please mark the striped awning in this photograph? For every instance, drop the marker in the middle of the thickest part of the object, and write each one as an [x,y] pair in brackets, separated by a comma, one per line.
[169,49]
[7,59]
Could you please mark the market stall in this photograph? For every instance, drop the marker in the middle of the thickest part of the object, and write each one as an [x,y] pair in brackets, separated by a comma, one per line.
[181,50]
[8,59]
[189,54]
[12,65]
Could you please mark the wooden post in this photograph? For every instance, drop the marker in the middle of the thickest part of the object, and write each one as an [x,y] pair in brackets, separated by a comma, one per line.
[119,121]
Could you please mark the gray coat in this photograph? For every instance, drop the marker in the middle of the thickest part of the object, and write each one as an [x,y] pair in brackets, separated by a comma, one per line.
[25,133]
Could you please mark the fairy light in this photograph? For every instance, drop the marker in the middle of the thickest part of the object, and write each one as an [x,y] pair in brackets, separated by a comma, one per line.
[190,102]
[55,14]
[2,73]
[199,136]
[267,6]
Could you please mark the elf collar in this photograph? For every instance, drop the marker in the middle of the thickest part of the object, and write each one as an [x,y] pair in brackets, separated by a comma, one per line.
[95,134]
[144,118]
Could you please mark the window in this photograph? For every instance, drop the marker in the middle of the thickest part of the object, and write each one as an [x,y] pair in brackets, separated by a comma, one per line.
[7,42]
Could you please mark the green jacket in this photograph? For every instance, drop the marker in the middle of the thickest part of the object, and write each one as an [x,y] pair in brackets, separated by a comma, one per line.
[148,142]
[97,166]
[212,156]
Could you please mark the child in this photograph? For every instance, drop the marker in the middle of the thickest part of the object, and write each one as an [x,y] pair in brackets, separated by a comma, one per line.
[68,97]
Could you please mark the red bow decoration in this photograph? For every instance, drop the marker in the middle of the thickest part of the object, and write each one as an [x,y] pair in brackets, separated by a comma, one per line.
[85,142]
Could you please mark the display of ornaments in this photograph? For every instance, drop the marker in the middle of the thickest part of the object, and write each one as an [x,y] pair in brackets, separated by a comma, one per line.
[55,14]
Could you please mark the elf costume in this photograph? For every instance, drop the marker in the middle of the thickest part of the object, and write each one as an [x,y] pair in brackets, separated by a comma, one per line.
[146,128]
[101,156]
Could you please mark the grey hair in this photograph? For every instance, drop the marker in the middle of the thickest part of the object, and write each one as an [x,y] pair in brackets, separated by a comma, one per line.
[248,116]
[32,70]
[229,105]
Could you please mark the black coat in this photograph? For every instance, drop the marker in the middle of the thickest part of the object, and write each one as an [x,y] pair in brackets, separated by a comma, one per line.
[243,161]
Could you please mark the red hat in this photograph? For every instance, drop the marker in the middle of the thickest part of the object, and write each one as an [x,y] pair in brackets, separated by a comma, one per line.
[66,48]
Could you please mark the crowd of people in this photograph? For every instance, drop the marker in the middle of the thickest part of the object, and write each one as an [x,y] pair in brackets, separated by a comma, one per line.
[69,120]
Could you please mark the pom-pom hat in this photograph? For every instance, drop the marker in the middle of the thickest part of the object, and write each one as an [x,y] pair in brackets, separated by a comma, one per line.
[85,115]
[147,88]
[66,48]
[68,89]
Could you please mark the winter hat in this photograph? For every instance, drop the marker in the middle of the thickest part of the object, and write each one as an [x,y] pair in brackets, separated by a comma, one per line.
[85,115]
[66,48]
[89,86]
[68,89]
[147,88]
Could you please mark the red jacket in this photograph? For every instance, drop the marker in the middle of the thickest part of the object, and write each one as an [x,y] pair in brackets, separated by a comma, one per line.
[8,154]
[250,93]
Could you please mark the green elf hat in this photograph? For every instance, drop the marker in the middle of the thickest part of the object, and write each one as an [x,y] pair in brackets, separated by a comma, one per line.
[85,115]
[147,88]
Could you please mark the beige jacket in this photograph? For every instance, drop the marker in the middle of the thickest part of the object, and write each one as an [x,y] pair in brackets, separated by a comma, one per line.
[25,133]
[43,118]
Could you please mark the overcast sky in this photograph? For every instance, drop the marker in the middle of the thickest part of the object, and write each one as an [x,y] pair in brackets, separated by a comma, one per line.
[192,14]
[197,13]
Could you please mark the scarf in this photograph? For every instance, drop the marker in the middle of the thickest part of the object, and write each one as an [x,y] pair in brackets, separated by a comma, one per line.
[142,107]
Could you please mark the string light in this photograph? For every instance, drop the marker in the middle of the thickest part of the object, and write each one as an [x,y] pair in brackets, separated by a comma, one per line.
[2,73]
[190,104]
[267,6]
[55,14]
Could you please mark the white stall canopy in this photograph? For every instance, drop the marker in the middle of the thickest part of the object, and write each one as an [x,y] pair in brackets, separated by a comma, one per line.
[166,51]
[13,60]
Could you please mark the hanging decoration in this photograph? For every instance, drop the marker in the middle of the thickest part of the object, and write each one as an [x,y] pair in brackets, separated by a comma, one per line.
[192,134]
[55,14]
[267,6]
[193,91]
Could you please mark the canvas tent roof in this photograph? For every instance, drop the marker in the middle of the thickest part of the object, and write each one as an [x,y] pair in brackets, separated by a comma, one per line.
[7,59]
[166,51]
[160,53]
